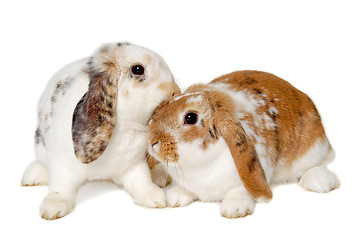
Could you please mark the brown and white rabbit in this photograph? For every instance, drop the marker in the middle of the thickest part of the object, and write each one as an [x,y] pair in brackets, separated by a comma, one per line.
[231,139]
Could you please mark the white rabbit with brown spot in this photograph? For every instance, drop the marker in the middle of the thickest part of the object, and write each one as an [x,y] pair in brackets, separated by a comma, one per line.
[93,118]
[231,139]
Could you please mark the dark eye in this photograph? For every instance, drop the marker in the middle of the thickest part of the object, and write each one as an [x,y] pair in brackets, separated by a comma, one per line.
[138,70]
[190,118]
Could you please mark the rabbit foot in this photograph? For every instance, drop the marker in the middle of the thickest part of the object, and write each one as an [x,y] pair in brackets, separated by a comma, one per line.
[236,204]
[154,198]
[55,206]
[319,179]
[35,175]
[178,197]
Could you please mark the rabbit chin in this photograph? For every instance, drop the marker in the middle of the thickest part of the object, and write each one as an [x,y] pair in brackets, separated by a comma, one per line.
[208,174]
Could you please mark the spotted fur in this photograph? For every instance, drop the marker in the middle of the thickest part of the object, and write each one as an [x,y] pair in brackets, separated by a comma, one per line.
[254,129]
[93,117]
[95,114]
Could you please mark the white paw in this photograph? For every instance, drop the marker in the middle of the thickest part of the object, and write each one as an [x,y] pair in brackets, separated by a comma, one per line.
[178,197]
[154,198]
[55,206]
[35,175]
[319,179]
[237,207]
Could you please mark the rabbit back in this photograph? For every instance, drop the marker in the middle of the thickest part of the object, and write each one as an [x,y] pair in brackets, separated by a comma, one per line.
[283,123]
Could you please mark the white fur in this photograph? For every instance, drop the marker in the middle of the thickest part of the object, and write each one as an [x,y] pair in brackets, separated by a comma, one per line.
[178,196]
[319,154]
[197,99]
[35,175]
[123,161]
[211,175]
[183,95]
[237,203]
[319,179]
[208,174]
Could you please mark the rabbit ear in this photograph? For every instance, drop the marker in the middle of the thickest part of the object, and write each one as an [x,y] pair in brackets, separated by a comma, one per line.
[95,114]
[245,157]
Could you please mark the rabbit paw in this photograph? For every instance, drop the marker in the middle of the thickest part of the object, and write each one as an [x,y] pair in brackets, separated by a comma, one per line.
[319,179]
[237,207]
[178,197]
[154,198]
[55,206]
[35,175]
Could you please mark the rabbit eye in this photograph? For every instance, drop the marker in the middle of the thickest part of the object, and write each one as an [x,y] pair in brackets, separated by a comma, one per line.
[190,118]
[138,69]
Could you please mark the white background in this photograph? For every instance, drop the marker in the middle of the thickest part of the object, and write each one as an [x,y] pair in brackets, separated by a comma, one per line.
[313,44]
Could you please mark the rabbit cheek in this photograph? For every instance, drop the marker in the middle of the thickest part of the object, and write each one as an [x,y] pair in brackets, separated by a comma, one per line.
[170,89]
[168,151]
[208,135]
[164,148]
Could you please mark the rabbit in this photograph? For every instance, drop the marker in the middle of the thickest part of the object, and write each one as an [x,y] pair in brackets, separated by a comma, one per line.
[92,121]
[230,140]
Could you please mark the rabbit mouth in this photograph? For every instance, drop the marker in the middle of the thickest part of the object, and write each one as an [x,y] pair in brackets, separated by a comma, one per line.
[162,154]
[153,153]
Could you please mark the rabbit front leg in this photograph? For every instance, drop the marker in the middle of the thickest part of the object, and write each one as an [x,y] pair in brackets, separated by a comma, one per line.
[138,183]
[237,203]
[178,196]
[63,186]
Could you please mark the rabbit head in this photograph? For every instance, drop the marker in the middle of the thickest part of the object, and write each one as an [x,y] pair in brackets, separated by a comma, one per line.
[127,82]
[203,116]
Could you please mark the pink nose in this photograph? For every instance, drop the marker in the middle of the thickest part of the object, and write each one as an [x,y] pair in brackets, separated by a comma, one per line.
[155,146]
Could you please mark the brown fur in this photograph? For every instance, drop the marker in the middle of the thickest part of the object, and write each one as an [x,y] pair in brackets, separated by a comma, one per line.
[172,88]
[94,117]
[241,147]
[95,114]
[296,124]
[218,118]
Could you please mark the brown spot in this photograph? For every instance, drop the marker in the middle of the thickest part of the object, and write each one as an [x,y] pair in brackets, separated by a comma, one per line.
[251,164]
[38,137]
[104,49]
[171,88]
[148,58]
[297,122]
[163,86]
[211,133]
[125,93]
[257,91]
[249,81]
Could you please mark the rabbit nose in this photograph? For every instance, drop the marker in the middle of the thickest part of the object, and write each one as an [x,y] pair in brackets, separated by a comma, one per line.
[155,146]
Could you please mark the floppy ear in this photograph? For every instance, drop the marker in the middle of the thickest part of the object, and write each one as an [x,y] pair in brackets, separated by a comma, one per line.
[245,157]
[95,114]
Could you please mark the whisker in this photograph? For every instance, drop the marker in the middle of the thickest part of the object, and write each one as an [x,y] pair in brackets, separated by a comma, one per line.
[158,172]
[167,167]
[176,172]
[189,187]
